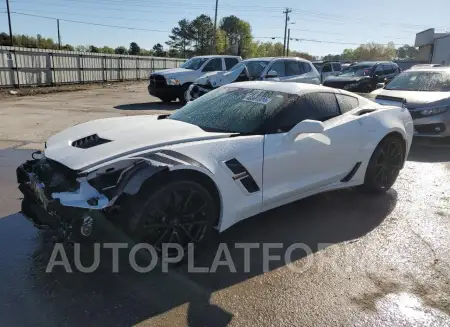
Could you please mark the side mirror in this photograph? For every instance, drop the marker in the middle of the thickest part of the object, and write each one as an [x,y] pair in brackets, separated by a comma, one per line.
[305,127]
[272,74]
[380,85]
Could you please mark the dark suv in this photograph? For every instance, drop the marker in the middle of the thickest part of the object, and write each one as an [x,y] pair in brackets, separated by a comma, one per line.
[364,76]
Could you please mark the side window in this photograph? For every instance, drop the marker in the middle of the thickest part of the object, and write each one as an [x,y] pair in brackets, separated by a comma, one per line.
[379,70]
[305,67]
[346,102]
[324,104]
[293,68]
[213,65]
[316,106]
[336,67]
[326,68]
[279,67]
[388,69]
[230,62]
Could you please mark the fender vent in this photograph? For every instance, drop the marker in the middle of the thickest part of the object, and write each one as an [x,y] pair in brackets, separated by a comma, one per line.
[89,142]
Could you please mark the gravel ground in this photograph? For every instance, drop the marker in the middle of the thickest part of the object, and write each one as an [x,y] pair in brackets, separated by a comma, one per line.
[374,261]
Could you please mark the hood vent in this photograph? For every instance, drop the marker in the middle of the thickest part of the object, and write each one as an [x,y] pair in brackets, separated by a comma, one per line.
[89,142]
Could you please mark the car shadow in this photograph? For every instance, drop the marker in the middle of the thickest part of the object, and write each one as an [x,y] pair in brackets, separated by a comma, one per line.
[424,152]
[127,298]
[150,106]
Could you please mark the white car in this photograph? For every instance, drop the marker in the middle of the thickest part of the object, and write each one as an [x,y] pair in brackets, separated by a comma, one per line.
[278,69]
[236,152]
[171,84]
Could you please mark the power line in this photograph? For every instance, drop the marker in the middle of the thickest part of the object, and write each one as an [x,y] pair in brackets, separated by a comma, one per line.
[90,23]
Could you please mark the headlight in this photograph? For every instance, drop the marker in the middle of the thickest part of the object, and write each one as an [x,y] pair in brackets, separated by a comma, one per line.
[172,81]
[350,86]
[433,111]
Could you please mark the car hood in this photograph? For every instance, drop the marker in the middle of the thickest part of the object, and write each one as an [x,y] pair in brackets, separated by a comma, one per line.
[417,99]
[221,78]
[347,79]
[173,72]
[124,136]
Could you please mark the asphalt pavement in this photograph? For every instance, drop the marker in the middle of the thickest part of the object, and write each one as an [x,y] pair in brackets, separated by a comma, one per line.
[375,261]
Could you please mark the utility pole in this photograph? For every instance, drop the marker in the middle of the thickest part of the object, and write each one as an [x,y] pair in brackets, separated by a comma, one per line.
[215,28]
[287,11]
[9,23]
[288,38]
[59,35]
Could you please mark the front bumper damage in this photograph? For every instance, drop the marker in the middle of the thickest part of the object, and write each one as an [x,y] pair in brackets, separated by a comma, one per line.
[72,203]
[196,91]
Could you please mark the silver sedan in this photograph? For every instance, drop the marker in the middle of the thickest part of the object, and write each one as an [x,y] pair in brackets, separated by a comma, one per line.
[427,93]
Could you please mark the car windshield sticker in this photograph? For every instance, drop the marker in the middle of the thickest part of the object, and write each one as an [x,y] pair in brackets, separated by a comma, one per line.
[257,97]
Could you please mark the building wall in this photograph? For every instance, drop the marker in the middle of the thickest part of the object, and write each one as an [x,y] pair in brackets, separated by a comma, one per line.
[23,66]
[441,53]
[425,53]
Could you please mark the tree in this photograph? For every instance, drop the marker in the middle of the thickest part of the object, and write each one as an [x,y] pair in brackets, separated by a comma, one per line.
[4,39]
[181,37]
[407,52]
[67,47]
[120,50]
[81,48]
[158,50]
[237,35]
[93,49]
[202,29]
[134,49]
[106,49]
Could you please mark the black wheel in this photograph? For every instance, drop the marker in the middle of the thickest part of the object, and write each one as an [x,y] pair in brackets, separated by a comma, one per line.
[180,212]
[384,165]
[167,100]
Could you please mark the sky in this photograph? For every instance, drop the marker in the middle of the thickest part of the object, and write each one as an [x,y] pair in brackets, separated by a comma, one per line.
[321,27]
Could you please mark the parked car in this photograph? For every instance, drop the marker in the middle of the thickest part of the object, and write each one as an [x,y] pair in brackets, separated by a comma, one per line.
[420,66]
[240,150]
[364,76]
[171,84]
[327,68]
[427,95]
[279,69]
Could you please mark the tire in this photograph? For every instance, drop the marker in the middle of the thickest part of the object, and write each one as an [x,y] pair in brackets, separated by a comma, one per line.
[384,165]
[167,100]
[184,93]
[180,212]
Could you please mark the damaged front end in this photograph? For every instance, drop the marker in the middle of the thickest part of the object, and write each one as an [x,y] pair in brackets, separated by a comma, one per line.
[72,202]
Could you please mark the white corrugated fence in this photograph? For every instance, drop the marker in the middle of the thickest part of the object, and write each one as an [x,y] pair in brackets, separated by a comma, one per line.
[27,67]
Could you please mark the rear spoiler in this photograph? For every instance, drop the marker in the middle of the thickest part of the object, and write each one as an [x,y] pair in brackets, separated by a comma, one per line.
[385,100]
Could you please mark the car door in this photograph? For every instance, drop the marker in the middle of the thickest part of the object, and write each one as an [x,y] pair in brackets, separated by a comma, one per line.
[213,65]
[278,66]
[326,71]
[336,66]
[310,162]
[300,72]
[389,71]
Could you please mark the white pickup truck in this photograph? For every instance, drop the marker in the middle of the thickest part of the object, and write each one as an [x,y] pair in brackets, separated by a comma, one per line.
[171,84]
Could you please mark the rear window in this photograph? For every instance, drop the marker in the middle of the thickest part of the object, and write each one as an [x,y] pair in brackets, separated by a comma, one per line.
[346,102]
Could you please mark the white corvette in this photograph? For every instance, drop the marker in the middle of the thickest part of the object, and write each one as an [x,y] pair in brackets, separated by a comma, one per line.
[231,154]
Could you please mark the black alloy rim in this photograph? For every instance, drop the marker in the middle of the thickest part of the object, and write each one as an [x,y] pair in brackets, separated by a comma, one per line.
[176,216]
[388,165]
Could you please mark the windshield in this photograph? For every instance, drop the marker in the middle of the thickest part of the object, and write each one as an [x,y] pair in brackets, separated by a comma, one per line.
[255,67]
[421,81]
[194,63]
[233,110]
[357,70]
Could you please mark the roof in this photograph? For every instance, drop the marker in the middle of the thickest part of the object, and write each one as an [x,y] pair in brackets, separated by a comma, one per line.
[287,87]
[431,69]
[217,56]
[275,58]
